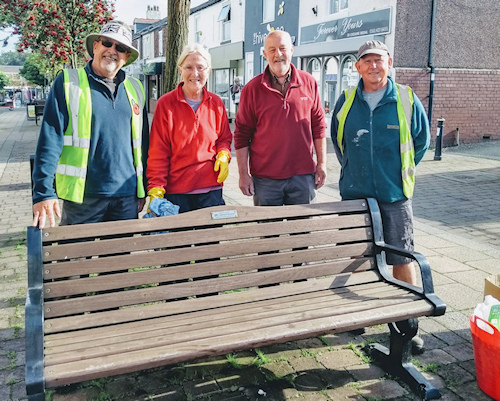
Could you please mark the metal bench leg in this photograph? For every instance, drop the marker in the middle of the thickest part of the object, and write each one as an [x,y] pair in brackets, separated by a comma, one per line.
[37,397]
[397,360]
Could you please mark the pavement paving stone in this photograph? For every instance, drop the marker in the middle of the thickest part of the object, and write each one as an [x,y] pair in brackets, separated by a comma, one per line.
[382,389]
[344,393]
[461,352]
[457,226]
[474,278]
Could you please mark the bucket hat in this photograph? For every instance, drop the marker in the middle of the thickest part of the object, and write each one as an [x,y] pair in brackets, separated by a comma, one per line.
[117,31]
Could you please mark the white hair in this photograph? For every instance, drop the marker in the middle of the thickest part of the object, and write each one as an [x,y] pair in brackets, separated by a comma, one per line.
[194,48]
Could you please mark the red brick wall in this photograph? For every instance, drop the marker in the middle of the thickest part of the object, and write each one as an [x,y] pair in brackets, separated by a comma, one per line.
[466,99]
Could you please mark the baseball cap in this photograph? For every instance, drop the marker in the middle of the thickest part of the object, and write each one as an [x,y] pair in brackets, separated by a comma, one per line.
[115,30]
[373,47]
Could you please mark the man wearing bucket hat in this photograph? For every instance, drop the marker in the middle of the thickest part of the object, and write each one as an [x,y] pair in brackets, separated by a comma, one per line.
[380,133]
[94,138]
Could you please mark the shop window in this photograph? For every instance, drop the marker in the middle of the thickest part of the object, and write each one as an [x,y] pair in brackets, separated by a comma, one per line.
[330,84]
[160,42]
[197,31]
[338,5]
[225,20]
[314,68]
[350,76]
[268,7]
[221,85]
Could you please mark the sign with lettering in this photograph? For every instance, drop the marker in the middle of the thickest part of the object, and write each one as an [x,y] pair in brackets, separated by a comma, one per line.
[374,23]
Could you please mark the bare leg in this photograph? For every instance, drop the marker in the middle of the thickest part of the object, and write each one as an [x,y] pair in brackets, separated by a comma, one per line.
[405,273]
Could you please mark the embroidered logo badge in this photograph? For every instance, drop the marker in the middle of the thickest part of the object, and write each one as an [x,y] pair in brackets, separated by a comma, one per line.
[135,107]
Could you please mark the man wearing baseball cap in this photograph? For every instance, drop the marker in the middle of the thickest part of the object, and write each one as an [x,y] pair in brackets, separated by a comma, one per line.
[380,132]
[94,137]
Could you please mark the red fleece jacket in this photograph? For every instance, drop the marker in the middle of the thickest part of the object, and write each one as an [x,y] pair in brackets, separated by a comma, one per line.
[184,144]
[280,130]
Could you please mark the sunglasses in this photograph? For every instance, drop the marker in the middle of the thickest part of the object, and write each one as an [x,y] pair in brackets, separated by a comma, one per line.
[118,47]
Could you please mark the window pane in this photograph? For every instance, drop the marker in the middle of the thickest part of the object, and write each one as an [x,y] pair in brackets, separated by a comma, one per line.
[226,31]
[223,13]
[334,6]
[267,10]
[344,4]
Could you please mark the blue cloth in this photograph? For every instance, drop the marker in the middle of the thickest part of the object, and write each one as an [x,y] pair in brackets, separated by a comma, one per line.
[160,207]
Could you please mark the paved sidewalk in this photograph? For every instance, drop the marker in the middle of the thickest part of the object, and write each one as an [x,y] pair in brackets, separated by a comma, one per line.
[457,227]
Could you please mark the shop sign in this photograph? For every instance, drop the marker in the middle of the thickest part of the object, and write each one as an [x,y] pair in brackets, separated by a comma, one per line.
[374,23]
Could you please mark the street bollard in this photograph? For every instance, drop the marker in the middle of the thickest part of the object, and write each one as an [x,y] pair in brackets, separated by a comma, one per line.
[439,139]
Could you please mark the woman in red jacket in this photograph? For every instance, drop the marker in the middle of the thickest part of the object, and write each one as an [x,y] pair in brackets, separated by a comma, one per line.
[190,140]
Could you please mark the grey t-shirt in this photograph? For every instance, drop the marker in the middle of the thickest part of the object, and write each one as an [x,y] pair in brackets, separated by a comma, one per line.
[373,98]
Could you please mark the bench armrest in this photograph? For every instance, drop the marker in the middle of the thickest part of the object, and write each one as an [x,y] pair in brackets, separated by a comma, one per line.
[425,272]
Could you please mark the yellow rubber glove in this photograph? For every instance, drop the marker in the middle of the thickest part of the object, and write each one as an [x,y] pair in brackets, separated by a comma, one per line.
[222,164]
[155,193]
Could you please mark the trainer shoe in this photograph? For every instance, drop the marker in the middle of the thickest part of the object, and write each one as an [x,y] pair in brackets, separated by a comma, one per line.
[417,345]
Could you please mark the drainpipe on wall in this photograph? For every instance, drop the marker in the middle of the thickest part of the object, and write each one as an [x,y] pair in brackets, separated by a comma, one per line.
[430,63]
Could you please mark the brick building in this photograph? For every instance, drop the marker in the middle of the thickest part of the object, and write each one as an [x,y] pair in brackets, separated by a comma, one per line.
[463,49]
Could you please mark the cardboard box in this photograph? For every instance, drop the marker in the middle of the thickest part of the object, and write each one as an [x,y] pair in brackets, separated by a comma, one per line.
[492,286]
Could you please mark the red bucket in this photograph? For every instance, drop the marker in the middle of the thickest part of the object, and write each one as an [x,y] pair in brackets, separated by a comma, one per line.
[486,344]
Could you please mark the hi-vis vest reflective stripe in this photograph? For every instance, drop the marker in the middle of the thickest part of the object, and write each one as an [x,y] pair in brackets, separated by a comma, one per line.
[72,168]
[406,148]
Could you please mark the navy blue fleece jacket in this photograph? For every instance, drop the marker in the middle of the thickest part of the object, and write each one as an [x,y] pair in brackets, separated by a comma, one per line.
[111,171]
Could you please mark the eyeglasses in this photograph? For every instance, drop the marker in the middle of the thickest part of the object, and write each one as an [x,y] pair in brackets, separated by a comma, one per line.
[199,68]
[119,48]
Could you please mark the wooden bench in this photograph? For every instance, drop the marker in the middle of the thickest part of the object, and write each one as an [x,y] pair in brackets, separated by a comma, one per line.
[112,298]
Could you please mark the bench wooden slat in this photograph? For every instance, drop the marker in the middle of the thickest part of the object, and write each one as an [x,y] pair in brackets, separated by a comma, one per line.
[203,218]
[178,290]
[203,252]
[65,325]
[197,319]
[181,238]
[155,276]
[175,353]
[168,318]
[256,318]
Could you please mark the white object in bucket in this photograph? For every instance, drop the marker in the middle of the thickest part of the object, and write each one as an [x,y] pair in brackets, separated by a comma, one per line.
[484,311]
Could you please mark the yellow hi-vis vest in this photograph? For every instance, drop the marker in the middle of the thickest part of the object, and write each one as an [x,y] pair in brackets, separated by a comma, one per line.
[406,148]
[71,171]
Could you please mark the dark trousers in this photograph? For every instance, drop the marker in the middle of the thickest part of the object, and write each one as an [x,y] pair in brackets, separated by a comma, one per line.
[188,202]
[97,210]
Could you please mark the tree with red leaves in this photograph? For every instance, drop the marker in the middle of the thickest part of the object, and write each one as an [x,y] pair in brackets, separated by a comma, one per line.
[55,28]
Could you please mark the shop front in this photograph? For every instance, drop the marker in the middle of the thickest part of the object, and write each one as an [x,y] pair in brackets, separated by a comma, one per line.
[328,51]
[227,71]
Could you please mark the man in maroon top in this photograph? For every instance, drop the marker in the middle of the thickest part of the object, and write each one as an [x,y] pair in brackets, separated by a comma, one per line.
[279,123]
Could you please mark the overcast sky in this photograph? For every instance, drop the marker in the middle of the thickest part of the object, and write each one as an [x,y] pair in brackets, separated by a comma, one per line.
[127,10]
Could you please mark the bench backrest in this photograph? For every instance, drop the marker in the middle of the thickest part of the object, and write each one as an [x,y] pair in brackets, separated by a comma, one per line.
[117,266]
